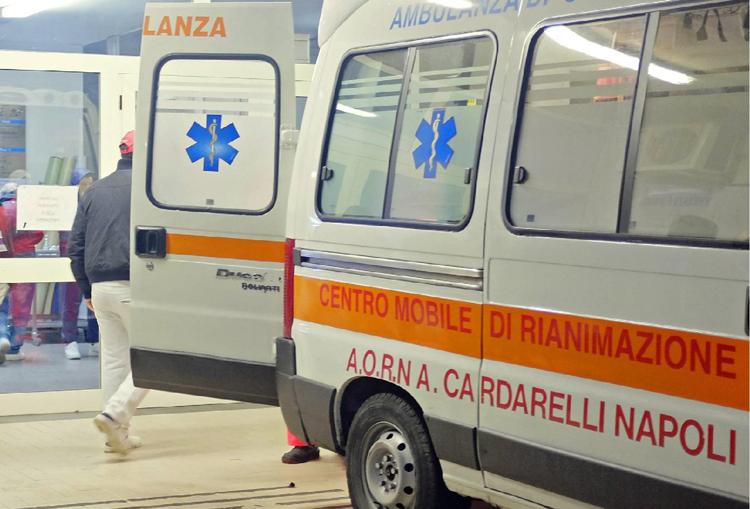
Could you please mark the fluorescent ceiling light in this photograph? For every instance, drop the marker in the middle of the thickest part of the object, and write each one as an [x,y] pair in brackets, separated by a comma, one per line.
[564,36]
[454,4]
[354,111]
[24,8]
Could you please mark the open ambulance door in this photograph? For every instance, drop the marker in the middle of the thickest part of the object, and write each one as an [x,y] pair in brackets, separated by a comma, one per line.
[209,195]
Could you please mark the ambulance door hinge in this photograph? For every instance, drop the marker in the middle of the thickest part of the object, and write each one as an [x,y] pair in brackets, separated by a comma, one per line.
[120,102]
[326,173]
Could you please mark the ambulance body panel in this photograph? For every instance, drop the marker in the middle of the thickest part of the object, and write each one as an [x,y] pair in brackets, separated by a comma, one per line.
[524,219]
[661,284]
[209,197]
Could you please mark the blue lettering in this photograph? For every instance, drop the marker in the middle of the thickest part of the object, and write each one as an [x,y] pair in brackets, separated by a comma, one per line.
[425,14]
[410,19]
[419,13]
[509,4]
[396,19]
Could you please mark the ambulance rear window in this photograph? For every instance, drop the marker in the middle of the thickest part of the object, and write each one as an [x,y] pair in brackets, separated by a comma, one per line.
[215,127]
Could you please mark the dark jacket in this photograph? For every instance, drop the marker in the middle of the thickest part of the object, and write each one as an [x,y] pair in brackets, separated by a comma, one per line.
[99,246]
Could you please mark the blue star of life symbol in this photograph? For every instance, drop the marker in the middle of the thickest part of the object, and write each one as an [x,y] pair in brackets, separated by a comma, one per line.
[212,143]
[435,138]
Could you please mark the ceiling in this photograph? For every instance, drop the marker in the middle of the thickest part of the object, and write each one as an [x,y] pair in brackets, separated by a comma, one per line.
[84,26]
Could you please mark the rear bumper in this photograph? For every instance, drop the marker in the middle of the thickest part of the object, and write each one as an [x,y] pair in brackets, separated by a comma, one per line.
[307,406]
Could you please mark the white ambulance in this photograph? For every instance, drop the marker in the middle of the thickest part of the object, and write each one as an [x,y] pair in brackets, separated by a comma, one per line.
[510,251]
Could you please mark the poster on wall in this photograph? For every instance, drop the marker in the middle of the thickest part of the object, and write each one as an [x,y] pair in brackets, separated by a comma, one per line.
[12,139]
[46,208]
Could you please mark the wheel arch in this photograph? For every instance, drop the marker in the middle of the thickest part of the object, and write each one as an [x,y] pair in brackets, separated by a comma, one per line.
[355,392]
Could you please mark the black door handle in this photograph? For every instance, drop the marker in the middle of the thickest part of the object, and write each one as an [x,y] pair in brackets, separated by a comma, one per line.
[150,242]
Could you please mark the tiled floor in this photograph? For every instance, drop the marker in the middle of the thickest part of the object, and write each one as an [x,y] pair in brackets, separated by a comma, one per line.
[205,459]
[45,368]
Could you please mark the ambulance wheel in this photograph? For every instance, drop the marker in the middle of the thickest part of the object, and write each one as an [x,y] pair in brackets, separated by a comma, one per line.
[390,463]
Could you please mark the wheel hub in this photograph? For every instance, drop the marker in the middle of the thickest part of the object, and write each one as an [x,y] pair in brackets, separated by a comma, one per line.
[389,471]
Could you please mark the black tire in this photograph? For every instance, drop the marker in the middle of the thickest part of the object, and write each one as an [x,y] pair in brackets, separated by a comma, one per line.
[386,426]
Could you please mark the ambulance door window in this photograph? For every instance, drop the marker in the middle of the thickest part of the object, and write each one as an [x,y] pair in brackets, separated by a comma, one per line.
[574,129]
[231,147]
[356,166]
[440,132]
[691,178]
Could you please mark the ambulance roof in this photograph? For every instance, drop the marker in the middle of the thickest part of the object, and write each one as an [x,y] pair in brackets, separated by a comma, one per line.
[333,14]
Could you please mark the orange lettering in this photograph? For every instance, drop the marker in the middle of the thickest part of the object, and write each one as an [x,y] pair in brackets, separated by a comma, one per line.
[199,30]
[165,27]
[183,25]
[146,28]
[218,28]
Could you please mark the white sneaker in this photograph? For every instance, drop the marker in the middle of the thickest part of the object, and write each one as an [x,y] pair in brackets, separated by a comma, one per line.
[15,357]
[131,442]
[72,352]
[94,350]
[4,347]
[117,435]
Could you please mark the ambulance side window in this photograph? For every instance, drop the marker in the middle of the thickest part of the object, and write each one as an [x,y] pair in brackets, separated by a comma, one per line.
[403,141]
[213,142]
[575,123]
[691,176]
[360,135]
[437,148]
[629,144]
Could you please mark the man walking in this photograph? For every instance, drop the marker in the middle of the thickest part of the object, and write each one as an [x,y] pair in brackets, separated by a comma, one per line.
[99,251]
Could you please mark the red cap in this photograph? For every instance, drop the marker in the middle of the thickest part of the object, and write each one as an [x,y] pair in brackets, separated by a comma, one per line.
[127,142]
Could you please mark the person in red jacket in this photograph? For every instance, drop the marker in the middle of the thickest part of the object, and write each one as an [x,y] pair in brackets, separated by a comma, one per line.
[23,245]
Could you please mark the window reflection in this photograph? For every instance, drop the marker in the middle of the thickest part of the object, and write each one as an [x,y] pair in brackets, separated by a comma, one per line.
[692,174]
[49,157]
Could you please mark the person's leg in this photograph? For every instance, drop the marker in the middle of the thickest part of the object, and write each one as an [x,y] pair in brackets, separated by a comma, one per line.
[126,399]
[122,405]
[301,451]
[115,347]
[21,300]
[71,304]
[114,421]
[4,330]
[92,333]
[4,313]
[92,328]
[14,353]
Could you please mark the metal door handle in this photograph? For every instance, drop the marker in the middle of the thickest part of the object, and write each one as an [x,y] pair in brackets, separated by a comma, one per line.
[150,242]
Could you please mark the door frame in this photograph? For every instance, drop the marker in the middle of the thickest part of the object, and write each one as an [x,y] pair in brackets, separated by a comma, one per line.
[113,74]
[118,83]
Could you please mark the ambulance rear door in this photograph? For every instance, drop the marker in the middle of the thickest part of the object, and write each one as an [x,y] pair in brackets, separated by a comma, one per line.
[209,197]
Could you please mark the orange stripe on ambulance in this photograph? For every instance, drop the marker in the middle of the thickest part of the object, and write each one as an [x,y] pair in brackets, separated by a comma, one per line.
[692,365]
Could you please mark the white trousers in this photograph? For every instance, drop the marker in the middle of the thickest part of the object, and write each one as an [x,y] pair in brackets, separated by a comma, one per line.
[111,302]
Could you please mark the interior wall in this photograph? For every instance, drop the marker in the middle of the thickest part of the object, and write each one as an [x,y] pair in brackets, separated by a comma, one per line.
[51,99]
